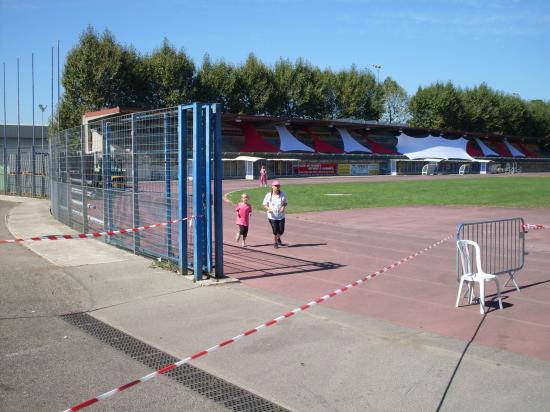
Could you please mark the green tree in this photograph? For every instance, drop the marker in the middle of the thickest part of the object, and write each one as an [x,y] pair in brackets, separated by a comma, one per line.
[219,82]
[259,91]
[301,90]
[482,109]
[396,103]
[99,73]
[437,106]
[170,76]
[540,118]
[357,95]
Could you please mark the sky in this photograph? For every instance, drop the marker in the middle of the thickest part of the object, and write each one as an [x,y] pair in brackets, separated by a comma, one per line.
[504,43]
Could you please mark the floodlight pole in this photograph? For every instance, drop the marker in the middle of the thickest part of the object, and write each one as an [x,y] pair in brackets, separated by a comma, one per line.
[43,108]
[377,67]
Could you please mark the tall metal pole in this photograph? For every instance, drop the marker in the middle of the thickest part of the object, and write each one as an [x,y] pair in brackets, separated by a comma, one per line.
[51,131]
[18,154]
[58,90]
[5,151]
[18,113]
[32,82]
[33,166]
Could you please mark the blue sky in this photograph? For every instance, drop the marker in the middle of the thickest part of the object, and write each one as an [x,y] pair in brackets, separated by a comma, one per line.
[505,43]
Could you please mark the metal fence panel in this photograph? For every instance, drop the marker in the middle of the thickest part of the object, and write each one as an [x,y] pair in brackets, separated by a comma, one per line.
[121,172]
[501,242]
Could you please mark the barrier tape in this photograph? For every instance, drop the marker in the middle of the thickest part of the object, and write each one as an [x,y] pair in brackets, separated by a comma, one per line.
[249,332]
[95,234]
[535,227]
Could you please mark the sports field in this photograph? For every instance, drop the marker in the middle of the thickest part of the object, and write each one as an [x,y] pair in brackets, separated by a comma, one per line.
[523,192]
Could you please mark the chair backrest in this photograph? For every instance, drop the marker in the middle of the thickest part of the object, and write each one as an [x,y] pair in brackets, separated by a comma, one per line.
[468,261]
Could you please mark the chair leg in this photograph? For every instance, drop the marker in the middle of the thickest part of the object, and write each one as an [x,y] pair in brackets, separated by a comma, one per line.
[459,291]
[471,292]
[513,279]
[482,297]
[498,293]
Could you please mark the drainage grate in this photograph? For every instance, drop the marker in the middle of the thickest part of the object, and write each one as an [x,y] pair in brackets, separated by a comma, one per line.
[209,386]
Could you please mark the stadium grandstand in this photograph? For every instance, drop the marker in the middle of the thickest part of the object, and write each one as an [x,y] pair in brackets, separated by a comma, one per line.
[303,147]
[293,147]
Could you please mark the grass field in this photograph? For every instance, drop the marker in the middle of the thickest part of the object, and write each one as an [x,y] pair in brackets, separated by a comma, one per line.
[528,192]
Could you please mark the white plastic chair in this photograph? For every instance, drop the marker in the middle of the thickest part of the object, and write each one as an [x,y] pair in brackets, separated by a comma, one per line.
[472,272]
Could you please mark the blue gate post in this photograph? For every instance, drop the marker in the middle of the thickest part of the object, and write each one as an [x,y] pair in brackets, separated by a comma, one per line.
[135,182]
[218,173]
[107,180]
[198,191]
[167,186]
[208,186]
[182,189]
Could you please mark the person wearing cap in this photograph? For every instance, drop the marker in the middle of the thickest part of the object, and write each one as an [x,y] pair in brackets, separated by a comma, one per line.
[275,203]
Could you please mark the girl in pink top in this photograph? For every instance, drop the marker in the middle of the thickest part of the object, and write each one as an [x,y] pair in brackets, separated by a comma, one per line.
[263,177]
[244,210]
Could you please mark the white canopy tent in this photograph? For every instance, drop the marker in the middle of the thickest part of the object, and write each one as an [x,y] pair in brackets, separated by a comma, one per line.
[515,152]
[350,144]
[289,142]
[485,149]
[432,147]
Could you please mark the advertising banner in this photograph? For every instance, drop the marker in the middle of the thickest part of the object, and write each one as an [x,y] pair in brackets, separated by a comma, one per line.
[364,169]
[305,169]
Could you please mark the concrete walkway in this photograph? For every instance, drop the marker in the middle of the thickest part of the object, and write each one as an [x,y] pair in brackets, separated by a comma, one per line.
[341,356]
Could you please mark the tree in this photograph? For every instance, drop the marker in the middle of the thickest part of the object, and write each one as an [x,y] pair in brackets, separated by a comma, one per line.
[437,106]
[170,76]
[540,115]
[396,103]
[301,90]
[219,82]
[357,94]
[481,109]
[99,73]
[259,92]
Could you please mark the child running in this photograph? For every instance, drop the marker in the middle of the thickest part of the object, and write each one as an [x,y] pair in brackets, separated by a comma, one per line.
[244,210]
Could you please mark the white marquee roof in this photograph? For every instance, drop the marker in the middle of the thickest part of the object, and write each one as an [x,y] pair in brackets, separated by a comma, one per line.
[432,147]
[485,149]
[350,144]
[289,142]
[515,152]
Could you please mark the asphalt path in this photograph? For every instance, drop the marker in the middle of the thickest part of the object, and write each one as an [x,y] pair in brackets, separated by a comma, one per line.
[44,361]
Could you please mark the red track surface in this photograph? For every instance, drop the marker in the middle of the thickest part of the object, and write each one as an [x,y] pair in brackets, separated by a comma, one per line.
[329,249]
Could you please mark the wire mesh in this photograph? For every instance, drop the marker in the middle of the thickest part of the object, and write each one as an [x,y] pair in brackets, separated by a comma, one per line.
[122,172]
[25,172]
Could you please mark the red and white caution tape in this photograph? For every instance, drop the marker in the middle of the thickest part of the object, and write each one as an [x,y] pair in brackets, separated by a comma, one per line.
[95,234]
[535,227]
[250,331]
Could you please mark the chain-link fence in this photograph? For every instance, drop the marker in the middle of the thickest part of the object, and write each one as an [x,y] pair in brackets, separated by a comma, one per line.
[24,172]
[122,172]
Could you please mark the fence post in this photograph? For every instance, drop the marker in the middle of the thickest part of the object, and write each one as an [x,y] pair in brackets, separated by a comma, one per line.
[33,171]
[5,157]
[198,191]
[167,187]
[107,182]
[218,173]
[83,183]
[18,171]
[208,190]
[135,188]
[68,179]
[182,189]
